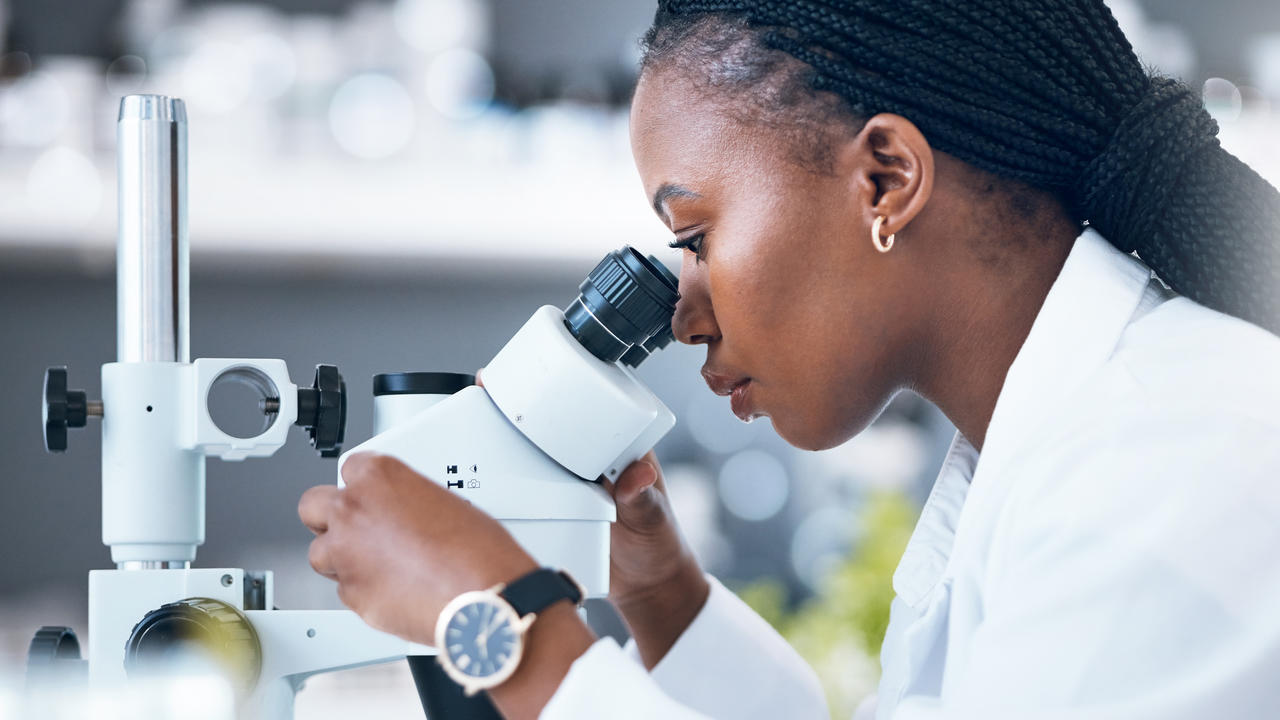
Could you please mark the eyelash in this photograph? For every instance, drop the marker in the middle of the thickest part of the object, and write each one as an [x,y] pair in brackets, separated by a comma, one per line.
[693,244]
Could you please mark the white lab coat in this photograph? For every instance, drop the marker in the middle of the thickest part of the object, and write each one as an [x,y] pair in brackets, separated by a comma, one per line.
[1114,553]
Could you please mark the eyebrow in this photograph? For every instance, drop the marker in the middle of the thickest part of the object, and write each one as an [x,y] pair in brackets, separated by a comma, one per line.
[668,191]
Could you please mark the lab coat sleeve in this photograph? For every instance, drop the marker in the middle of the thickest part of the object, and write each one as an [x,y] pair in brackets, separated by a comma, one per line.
[1133,575]
[729,663]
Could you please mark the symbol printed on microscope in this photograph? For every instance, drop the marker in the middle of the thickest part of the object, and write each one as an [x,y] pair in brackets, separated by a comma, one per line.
[473,469]
[473,484]
[455,484]
[451,469]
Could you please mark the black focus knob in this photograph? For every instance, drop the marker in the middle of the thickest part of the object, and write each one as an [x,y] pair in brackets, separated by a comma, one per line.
[54,656]
[196,630]
[63,409]
[322,410]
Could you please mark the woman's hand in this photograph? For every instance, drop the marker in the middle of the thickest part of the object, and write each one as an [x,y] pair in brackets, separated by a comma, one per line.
[655,580]
[401,547]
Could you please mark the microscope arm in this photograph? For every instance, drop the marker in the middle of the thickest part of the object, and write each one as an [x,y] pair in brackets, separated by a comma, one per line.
[299,643]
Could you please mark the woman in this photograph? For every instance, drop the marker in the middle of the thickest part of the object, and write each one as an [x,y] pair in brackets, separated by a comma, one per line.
[874,195]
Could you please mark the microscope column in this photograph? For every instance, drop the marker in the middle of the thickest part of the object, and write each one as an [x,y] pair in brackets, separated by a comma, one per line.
[153,482]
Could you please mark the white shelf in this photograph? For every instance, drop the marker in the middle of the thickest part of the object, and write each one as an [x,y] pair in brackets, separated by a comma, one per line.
[246,211]
[339,211]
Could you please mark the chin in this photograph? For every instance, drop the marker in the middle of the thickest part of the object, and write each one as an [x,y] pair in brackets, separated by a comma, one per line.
[820,431]
[811,436]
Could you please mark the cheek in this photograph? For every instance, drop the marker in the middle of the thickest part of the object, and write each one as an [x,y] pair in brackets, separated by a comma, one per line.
[797,308]
[775,278]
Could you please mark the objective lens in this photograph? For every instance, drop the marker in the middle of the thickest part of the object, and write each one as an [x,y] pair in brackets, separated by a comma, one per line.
[627,299]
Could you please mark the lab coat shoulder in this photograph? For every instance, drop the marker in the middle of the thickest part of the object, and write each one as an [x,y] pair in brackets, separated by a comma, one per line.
[1137,541]
[1181,420]
[1182,354]
[1189,397]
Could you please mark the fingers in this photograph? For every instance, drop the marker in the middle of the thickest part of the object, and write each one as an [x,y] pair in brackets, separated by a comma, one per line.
[318,556]
[316,506]
[365,466]
[634,482]
[479,380]
[359,466]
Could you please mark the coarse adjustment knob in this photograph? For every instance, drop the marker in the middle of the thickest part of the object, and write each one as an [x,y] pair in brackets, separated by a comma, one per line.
[63,409]
[54,656]
[199,632]
[322,410]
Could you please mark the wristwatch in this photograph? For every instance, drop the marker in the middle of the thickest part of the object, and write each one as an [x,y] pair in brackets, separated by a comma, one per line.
[480,634]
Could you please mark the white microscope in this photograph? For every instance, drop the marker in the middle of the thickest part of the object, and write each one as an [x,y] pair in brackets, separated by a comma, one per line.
[559,408]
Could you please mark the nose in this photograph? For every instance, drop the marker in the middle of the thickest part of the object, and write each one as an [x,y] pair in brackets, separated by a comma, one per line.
[694,322]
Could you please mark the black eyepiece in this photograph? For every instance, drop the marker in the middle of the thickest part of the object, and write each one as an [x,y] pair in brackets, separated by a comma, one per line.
[625,301]
[641,351]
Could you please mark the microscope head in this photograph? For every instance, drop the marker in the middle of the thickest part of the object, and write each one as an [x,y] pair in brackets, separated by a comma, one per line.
[626,300]
[560,409]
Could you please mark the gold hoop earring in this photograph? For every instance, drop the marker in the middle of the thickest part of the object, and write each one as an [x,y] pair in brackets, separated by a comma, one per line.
[883,245]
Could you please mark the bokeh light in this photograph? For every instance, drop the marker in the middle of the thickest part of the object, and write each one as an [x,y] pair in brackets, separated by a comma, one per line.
[273,65]
[459,84]
[371,116]
[820,542]
[432,26]
[34,111]
[1223,99]
[217,77]
[693,500]
[64,181]
[754,485]
[126,75]
[1263,57]
[715,427]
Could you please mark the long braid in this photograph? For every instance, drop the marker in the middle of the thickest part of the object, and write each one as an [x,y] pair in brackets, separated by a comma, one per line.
[1048,93]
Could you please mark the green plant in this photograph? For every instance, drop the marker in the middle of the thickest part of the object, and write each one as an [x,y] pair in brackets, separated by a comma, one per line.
[839,630]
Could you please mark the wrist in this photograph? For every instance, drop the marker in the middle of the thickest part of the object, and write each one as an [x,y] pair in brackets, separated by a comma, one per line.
[683,591]
[659,615]
[556,639]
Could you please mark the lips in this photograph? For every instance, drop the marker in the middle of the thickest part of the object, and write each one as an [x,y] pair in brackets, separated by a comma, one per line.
[737,387]
[721,383]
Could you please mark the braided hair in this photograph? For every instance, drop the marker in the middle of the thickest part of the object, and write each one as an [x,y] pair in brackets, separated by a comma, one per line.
[1046,93]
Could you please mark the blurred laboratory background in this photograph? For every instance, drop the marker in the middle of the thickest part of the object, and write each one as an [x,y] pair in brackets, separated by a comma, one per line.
[395,185]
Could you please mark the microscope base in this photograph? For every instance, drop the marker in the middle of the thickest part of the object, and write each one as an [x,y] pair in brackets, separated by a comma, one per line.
[295,644]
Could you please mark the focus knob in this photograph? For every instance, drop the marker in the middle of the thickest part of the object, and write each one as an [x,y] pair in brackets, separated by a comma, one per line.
[198,631]
[63,409]
[54,656]
[322,410]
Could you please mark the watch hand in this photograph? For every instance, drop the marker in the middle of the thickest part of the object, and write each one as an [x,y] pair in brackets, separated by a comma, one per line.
[493,625]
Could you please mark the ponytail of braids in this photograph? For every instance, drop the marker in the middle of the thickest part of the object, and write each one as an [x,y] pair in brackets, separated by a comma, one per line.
[1044,92]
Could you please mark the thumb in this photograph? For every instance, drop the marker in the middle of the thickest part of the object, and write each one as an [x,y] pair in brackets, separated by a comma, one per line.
[634,487]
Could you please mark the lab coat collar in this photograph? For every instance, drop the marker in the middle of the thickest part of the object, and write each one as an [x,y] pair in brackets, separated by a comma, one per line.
[1075,332]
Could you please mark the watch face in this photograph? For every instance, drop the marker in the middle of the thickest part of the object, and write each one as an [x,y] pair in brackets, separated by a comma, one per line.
[482,639]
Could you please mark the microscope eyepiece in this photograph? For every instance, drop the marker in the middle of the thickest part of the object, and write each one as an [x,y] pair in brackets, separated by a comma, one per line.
[626,299]
[641,351]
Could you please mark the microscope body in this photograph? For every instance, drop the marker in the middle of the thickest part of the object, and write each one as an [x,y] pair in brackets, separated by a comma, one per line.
[157,436]
[154,611]
[559,409]
[527,447]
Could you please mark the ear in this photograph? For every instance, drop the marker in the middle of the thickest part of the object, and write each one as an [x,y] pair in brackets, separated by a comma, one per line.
[892,167]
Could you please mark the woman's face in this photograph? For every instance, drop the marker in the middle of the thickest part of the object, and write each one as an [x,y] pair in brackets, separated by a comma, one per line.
[802,318]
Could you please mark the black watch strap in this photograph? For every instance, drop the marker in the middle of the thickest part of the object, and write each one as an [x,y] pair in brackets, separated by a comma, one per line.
[540,588]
